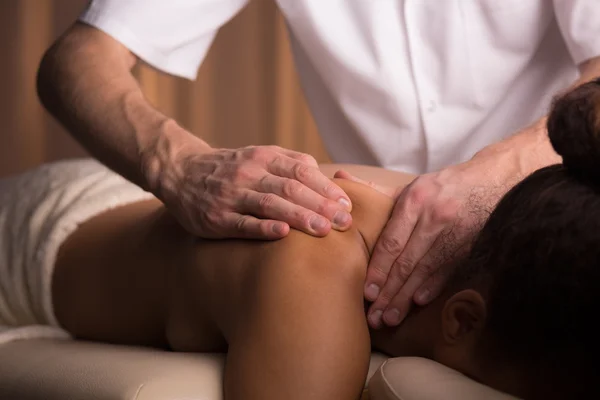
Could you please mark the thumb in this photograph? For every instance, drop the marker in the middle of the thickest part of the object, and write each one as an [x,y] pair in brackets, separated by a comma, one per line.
[387,190]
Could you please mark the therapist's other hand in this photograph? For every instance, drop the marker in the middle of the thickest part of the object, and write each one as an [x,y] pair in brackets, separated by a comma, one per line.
[255,192]
[434,221]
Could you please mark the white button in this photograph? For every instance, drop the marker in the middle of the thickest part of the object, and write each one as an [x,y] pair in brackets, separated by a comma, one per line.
[431,107]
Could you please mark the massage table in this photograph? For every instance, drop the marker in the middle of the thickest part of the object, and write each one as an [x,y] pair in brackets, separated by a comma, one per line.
[72,370]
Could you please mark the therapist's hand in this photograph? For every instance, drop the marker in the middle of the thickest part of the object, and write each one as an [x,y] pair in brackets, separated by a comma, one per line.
[256,192]
[434,220]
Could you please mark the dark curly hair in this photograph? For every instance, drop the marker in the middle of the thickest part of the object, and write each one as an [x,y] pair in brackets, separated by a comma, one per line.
[537,258]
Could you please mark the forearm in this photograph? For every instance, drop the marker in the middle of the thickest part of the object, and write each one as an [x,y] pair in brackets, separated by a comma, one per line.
[85,81]
[530,148]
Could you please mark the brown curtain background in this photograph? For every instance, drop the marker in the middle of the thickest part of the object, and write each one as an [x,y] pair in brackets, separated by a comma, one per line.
[247,91]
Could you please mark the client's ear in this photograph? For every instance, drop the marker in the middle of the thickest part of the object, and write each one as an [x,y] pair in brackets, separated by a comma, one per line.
[463,322]
[463,317]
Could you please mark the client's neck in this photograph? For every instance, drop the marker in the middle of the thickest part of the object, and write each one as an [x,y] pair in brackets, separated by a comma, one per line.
[416,336]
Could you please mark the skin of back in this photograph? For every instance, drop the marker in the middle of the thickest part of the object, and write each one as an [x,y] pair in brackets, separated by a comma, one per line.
[288,312]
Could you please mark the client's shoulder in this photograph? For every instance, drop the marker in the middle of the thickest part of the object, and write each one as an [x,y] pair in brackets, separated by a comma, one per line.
[350,249]
[371,209]
[365,198]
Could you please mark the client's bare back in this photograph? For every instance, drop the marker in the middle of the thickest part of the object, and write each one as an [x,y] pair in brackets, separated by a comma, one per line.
[133,276]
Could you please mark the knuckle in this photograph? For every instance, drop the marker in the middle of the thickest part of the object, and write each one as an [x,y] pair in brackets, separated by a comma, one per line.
[308,159]
[267,201]
[302,172]
[418,194]
[326,208]
[391,245]
[378,274]
[426,270]
[276,159]
[291,189]
[213,219]
[443,214]
[265,228]
[263,181]
[403,269]
[385,297]
[304,218]
[242,197]
[261,153]
[241,225]
[330,189]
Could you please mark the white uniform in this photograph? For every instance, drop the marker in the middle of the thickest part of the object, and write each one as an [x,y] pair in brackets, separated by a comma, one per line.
[412,85]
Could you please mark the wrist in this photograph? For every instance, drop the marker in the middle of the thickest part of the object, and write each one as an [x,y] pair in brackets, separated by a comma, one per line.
[162,157]
[502,165]
[521,154]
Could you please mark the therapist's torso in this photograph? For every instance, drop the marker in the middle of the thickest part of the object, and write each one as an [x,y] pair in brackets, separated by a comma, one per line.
[411,85]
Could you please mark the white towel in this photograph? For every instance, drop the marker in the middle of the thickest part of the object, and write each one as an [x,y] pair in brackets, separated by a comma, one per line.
[39,209]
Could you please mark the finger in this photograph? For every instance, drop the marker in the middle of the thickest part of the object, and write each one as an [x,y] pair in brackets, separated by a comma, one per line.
[438,264]
[375,316]
[395,298]
[409,272]
[388,191]
[389,246]
[433,287]
[341,174]
[299,194]
[312,177]
[249,227]
[271,206]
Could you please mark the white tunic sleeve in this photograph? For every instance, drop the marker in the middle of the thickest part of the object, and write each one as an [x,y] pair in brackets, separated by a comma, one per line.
[579,22]
[171,35]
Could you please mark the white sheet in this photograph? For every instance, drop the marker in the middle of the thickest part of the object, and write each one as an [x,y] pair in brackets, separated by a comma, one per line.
[39,209]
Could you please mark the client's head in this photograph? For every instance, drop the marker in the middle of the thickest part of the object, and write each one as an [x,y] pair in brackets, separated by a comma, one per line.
[520,314]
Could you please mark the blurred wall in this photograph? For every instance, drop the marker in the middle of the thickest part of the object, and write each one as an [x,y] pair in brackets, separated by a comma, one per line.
[247,91]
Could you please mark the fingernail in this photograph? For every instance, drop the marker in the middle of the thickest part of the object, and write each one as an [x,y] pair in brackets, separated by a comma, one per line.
[372,292]
[318,223]
[345,202]
[375,318]
[422,297]
[341,218]
[278,229]
[392,317]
